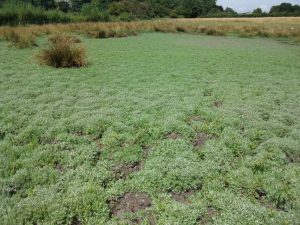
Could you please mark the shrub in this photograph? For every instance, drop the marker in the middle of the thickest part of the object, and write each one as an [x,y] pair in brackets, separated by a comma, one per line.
[64,51]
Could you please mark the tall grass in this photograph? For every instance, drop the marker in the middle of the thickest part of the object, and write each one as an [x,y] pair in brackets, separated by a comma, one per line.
[20,38]
[64,51]
[247,27]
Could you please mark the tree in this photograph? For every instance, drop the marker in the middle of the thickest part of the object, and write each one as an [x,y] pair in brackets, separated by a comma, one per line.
[257,12]
[196,8]
[285,9]
[230,12]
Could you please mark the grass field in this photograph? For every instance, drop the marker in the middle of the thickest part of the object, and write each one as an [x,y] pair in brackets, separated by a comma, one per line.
[158,129]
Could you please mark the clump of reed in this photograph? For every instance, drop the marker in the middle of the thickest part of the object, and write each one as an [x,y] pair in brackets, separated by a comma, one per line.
[64,52]
[20,38]
[214,31]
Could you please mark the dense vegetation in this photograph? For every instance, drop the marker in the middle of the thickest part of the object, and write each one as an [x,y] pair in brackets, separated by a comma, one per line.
[195,126]
[14,12]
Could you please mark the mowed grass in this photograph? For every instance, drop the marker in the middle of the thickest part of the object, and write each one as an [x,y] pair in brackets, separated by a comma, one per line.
[213,120]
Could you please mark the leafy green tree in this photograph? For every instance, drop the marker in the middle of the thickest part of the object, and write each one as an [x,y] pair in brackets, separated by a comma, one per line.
[285,9]
[230,12]
[257,12]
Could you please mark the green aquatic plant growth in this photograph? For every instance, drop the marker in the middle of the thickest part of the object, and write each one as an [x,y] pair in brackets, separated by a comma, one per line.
[207,128]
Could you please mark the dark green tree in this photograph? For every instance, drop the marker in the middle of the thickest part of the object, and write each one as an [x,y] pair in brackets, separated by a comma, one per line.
[257,12]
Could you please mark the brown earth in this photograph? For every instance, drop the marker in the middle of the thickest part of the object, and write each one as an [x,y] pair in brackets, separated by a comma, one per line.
[130,202]
[121,172]
[200,140]
[218,103]
[173,136]
[183,196]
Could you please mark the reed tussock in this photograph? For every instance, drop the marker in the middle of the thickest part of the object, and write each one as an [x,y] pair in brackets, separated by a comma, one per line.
[110,33]
[64,52]
[18,37]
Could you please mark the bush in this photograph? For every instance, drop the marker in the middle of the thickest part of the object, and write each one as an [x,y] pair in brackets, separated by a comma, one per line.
[63,52]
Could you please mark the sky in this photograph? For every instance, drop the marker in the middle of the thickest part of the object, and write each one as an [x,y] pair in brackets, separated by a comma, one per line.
[250,5]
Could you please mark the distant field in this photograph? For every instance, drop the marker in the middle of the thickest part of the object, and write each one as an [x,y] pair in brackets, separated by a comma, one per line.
[159,128]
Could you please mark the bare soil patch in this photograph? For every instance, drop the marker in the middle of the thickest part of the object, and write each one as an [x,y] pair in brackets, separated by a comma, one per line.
[183,196]
[58,166]
[76,221]
[130,202]
[218,103]
[173,136]
[122,171]
[291,158]
[260,193]
[200,140]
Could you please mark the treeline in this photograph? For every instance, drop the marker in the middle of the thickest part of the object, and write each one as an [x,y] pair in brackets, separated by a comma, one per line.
[14,12]
[284,9]
[27,14]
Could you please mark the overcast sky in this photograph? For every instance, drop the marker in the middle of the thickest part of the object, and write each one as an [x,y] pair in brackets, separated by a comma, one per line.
[249,5]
